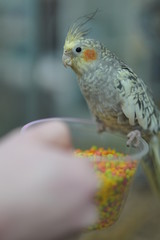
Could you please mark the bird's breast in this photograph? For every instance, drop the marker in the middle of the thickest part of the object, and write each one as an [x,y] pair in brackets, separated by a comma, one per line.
[99,92]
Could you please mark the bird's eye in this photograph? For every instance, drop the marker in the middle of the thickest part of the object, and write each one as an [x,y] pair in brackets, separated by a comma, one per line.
[78,49]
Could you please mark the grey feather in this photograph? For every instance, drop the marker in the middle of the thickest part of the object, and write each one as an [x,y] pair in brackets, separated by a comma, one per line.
[114,93]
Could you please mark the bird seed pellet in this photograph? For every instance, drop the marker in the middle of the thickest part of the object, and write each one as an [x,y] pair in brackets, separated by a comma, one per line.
[115,172]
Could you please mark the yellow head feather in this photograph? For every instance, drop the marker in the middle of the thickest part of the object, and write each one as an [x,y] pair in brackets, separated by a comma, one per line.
[76,31]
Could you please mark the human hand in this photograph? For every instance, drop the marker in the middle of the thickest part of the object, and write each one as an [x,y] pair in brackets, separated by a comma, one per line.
[45,192]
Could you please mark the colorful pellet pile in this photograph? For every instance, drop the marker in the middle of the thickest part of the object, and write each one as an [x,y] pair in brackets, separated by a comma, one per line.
[115,172]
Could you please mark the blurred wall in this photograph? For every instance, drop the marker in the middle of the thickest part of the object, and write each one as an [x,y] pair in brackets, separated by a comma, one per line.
[33,82]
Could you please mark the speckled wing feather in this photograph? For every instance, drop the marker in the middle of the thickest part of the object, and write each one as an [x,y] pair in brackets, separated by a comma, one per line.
[136,101]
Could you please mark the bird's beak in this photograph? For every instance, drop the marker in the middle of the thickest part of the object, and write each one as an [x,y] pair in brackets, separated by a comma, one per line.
[67,61]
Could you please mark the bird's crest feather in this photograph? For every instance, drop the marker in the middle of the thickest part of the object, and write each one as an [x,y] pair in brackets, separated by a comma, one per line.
[77,30]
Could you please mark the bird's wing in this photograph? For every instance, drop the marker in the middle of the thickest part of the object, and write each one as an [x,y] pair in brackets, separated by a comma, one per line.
[136,101]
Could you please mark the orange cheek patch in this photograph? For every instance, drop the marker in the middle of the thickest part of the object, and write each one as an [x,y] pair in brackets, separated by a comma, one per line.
[90,55]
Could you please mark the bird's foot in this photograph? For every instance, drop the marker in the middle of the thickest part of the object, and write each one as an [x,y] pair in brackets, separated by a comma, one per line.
[101,127]
[133,138]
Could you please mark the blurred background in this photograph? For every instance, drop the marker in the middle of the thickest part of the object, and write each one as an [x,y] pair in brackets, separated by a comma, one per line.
[34,83]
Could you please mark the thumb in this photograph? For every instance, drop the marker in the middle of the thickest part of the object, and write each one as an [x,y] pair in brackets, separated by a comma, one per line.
[52,134]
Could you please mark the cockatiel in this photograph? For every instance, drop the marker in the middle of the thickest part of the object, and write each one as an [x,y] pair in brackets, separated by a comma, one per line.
[116,96]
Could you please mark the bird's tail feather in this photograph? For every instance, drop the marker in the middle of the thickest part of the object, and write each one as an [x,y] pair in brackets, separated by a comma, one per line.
[151,164]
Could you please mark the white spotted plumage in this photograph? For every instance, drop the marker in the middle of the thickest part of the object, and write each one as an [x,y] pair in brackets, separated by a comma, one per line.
[136,101]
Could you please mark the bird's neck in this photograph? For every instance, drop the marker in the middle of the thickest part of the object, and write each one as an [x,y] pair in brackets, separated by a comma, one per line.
[81,68]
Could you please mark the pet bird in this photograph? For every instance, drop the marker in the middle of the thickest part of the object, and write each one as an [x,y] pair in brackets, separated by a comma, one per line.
[115,95]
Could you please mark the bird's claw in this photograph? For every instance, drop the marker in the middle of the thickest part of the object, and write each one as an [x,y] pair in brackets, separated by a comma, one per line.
[133,138]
